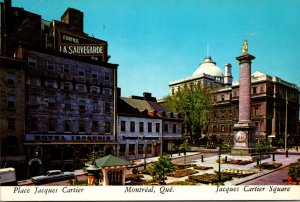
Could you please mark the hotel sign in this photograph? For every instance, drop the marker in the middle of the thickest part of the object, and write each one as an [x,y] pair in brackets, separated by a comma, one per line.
[79,45]
[65,138]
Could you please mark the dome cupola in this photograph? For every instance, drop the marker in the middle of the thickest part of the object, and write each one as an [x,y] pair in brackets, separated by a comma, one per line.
[208,67]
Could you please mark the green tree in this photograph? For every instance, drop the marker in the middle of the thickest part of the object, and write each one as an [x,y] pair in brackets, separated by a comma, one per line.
[184,147]
[262,147]
[160,168]
[91,158]
[194,104]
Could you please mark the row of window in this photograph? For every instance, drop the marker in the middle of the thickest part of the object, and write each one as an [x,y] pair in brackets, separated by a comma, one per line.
[132,149]
[11,100]
[149,127]
[52,126]
[68,86]
[65,68]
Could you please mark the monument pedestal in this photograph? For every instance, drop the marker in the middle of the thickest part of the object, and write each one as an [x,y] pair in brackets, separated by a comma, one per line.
[244,138]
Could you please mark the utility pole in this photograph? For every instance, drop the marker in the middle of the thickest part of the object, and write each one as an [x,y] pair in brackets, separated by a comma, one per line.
[286,113]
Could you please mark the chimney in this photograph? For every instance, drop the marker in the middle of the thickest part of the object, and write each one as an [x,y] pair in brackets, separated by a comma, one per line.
[74,18]
[147,96]
[228,75]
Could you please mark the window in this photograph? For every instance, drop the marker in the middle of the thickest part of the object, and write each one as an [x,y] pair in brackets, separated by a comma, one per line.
[81,105]
[214,128]
[81,88]
[50,65]
[67,104]
[157,126]
[141,126]
[123,126]
[81,126]
[81,71]
[107,107]
[131,149]
[107,127]
[94,90]
[223,114]
[11,102]
[51,102]
[95,106]
[106,92]
[94,74]
[11,79]
[132,126]
[254,90]
[149,149]
[256,111]
[32,62]
[67,86]
[140,148]
[173,91]
[174,128]
[215,116]
[33,124]
[67,126]
[11,124]
[51,125]
[261,89]
[222,128]
[66,68]
[95,126]
[222,97]
[106,76]
[166,127]
[149,127]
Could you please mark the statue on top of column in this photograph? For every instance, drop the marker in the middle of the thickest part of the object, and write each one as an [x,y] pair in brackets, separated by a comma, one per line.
[245,47]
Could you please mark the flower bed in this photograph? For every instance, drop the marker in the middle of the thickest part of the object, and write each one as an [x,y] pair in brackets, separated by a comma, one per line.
[269,165]
[239,162]
[182,183]
[182,173]
[237,173]
[235,162]
[209,178]
[183,166]
[202,167]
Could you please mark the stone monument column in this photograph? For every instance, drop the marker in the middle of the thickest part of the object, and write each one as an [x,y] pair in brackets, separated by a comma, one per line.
[244,130]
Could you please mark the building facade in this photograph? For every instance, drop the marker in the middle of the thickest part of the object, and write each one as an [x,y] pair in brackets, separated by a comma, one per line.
[269,96]
[59,91]
[145,128]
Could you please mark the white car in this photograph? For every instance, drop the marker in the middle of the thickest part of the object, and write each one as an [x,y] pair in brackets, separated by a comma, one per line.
[53,175]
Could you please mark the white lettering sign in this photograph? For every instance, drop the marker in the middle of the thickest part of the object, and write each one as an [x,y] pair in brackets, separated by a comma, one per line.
[82,49]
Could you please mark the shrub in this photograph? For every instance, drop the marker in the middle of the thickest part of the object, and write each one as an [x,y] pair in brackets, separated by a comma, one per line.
[133,177]
[269,165]
[294,171]
[208,178]
[135,171]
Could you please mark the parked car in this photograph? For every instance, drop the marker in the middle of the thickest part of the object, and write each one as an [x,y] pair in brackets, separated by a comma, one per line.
[53,175]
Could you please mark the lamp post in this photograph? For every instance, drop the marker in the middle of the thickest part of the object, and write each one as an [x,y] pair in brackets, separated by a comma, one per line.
[219,154]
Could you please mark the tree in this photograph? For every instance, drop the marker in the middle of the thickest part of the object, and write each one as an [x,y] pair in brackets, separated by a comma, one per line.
[261,147]
[194,104]
[93,156]
[160,168]
[185,147]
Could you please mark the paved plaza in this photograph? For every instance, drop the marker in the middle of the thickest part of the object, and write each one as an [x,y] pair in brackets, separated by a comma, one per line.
[211,162]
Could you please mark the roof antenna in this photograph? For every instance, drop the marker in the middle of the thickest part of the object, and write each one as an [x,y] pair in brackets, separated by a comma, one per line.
[207,50]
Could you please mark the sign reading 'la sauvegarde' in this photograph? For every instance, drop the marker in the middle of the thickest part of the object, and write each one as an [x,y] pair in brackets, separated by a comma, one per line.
[82,49]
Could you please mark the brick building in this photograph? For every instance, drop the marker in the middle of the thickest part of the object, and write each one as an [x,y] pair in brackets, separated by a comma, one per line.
[64,94]
[268,100]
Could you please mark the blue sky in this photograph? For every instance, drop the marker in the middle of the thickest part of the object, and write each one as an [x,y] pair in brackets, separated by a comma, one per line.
[158,41]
